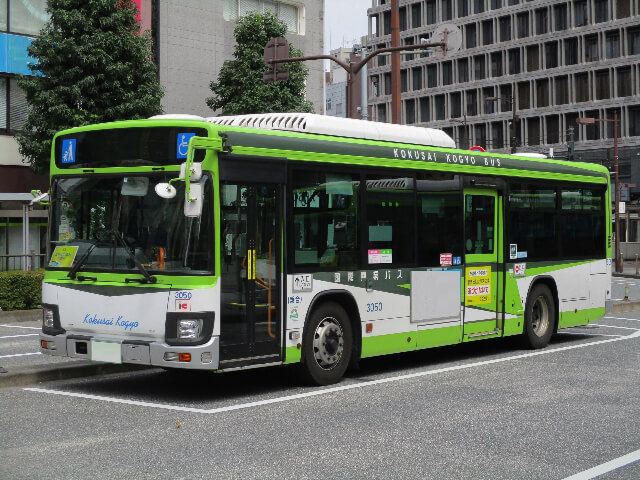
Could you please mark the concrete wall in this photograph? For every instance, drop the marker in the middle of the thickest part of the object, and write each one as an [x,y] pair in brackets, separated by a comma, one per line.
[195,40]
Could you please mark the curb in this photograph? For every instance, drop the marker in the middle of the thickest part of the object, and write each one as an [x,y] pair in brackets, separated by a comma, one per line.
[74,369]
[12,316]
[622,306]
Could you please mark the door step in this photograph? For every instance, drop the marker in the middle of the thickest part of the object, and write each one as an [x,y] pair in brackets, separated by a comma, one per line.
[483,334]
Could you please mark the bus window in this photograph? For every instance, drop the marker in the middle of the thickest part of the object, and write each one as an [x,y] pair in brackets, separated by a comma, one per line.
[479,224]
[390,219]
[325,219]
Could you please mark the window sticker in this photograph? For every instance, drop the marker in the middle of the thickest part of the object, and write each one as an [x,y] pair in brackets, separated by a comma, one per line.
[63,256]
[478,285]
[380,256]
[183,144]
[69,150]
[446,259]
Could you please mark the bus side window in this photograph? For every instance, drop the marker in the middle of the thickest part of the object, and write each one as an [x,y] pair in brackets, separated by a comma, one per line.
[479,224]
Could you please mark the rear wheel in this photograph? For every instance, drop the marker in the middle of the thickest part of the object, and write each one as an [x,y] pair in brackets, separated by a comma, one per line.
[327,344]
[539,317]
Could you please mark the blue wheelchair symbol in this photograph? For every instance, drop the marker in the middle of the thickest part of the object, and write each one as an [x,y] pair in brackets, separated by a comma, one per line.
[183,144]
[69,150]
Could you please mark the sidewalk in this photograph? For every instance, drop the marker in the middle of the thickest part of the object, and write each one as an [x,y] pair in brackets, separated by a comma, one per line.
[628,270]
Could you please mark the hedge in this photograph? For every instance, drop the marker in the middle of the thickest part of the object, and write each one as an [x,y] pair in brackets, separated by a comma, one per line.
[20,290]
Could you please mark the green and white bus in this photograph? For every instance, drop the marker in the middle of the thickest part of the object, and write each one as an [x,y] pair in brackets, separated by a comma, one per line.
[236,242]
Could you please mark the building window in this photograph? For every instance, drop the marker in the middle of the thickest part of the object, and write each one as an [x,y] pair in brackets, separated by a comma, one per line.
[533,58]
[410,111]
[3,103]
[634,121]
[455,100]
[495,4]
[623,8]
[328,104]
[463,70]
[432,12]
[633,41]
[489,104]
[523,24]
[591,48]
[288,13]
[403,18]
[497,136]
[542,92]
[542,21]
[447,10]
[582,87]
[478,6]
[416,78]
[382,112]
[524,95]
[562,90]
[551,54]
[580,13]
[612,40]
[553,129]
[13,106]
[505,29]
[479,67]
[439,107]
[463,8]
[600,8]
[424,109]
[472,102]
[470,34]
[432,75]
[624,82]
[496,64]
[533,125]
[487,32]
[404,81]
[560,15]
[24,17]
[416,15]
[387,83]
[602,85]
[447,73]
[480,134]
[514,61]
[570,51]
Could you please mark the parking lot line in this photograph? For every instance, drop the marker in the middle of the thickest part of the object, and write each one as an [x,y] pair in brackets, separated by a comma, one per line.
[622,318]
[21,335]
[20,354]
[616,326]
[339,388]
[20,326]
[619,462]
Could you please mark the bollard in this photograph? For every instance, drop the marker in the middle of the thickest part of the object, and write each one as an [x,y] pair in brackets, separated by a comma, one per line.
[626,292]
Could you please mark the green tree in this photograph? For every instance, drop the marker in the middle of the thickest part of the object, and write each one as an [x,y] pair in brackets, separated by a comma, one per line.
[240,88]
[91,66]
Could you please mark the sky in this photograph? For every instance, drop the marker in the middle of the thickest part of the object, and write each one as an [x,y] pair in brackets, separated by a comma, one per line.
[345,21]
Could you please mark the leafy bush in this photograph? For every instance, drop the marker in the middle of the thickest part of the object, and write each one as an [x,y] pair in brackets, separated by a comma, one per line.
[20,290]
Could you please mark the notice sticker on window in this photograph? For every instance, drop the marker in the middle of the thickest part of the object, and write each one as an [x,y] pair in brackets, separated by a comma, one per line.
[63,256]
[380,256]
[478,285]
[446,259]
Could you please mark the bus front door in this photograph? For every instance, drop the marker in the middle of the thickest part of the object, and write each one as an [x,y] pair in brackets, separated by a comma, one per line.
[483,263]
[250,298]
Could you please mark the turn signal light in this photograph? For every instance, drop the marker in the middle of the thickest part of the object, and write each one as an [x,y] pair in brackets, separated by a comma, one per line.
[184,357]
[43,343]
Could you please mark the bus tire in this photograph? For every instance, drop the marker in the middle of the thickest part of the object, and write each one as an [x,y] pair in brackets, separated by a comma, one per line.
[327,344]
[539,317]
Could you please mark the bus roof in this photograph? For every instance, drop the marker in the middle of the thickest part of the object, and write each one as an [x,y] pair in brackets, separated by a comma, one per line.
[334,126]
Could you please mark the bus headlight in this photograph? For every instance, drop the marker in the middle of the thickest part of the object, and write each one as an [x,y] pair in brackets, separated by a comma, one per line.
[47,318]
[189,329]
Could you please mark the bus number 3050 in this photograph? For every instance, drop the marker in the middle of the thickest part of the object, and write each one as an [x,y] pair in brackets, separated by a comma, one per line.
[374,307]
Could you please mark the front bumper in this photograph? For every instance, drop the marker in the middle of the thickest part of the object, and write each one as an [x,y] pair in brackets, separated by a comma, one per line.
[139,352]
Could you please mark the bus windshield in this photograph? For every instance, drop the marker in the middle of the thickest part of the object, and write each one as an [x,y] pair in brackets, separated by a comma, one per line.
[110,223]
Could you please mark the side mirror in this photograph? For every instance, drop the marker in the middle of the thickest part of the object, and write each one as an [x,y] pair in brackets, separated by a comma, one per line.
[193,201]
[39,197]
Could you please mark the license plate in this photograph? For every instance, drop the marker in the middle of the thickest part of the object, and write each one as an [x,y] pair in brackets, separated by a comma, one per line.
[110,352]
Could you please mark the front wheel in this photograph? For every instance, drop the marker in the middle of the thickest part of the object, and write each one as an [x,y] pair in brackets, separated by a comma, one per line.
[539,317]
[327,344]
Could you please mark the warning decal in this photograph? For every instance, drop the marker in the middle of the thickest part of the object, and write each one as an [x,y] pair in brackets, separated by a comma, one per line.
[477,281]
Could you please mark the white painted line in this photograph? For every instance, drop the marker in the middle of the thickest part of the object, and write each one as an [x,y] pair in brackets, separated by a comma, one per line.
[623,318]
[616,326]
[585,334]
[22,335]
[340,388]
[20,355]
[19,326]
[607,467]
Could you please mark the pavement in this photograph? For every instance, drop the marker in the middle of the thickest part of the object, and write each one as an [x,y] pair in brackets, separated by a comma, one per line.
[67,368]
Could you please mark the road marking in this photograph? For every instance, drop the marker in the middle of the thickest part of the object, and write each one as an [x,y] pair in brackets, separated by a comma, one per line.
[584,334]
[20,354]
[623,318]
[615,326]
[607,467]
[339,388]
[18,326]
[22,335]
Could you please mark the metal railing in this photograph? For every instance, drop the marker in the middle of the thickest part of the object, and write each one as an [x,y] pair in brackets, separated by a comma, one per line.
[30,261]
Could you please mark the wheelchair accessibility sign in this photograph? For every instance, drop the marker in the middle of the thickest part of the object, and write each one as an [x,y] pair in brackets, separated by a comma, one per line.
[183,144]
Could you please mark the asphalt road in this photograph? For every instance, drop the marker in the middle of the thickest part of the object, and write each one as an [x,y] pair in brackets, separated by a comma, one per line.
[483,410]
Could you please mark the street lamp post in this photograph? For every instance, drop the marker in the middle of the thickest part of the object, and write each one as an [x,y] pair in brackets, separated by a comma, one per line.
[510,99]
[614,120]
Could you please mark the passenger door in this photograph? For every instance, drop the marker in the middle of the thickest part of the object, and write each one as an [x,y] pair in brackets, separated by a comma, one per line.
[484,267]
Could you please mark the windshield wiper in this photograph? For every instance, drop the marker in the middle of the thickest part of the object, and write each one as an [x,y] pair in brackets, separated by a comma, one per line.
[76,267]
[149,278]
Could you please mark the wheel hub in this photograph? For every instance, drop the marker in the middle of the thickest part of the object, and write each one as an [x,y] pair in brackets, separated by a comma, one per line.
[540,316]
[328,343]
